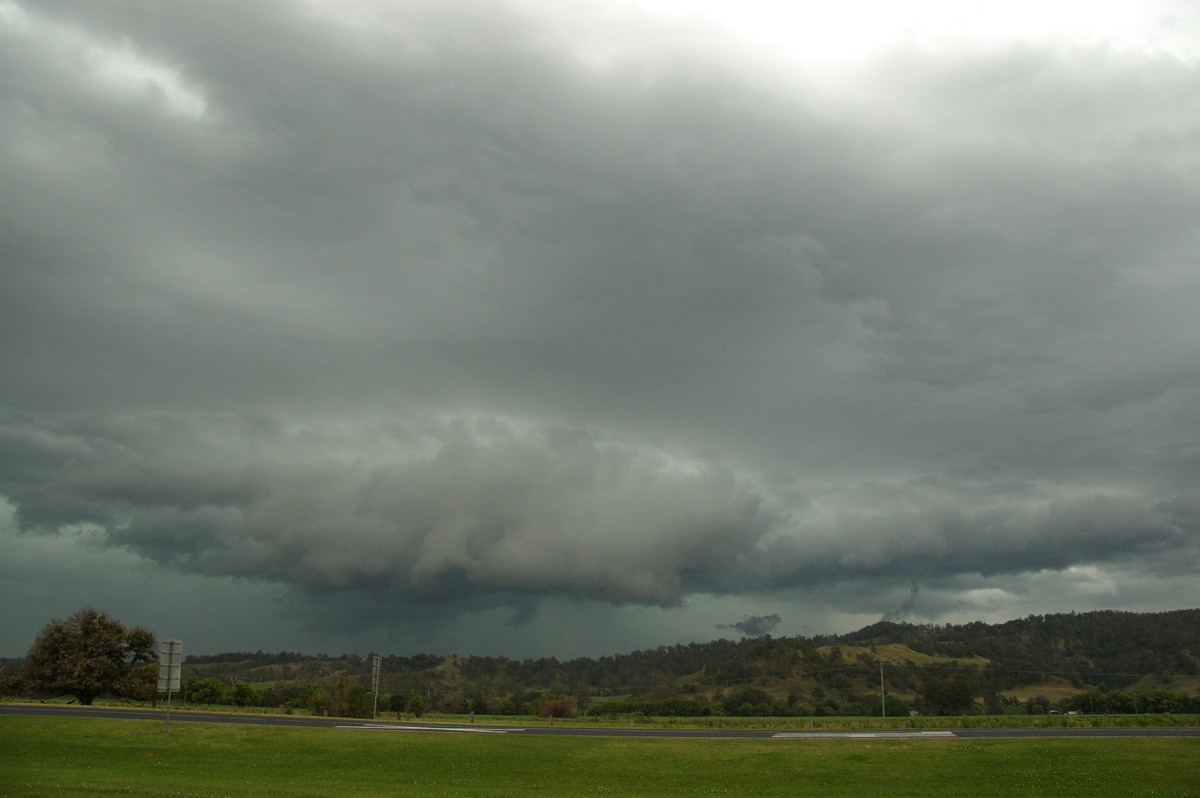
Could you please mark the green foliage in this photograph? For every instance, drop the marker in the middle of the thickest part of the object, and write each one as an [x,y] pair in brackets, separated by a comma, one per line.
[896,707]
[244,695]
[454,703]
[749,701]
[205,691]
[1122,702]
[678,707]
[416,706]
[345,699]
[9,679]
[1119,645]
[952,697]
[88,655]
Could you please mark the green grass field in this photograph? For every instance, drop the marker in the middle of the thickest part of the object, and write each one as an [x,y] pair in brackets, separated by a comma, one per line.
[84,756]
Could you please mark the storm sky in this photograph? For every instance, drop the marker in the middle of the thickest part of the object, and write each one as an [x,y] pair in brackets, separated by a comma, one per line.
[543,328]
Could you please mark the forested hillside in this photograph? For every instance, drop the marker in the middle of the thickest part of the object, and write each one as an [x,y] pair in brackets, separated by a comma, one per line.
[1111,661]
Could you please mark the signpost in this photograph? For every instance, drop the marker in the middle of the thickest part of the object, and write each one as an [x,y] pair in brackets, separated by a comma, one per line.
[170,665]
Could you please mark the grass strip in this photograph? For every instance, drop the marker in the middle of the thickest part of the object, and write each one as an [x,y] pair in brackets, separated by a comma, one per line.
[82,757]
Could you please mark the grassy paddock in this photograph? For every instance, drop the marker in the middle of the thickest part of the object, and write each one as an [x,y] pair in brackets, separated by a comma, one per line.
[76,756]
[1144,720]
[871,722]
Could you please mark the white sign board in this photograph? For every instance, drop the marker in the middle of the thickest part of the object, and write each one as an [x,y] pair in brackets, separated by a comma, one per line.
[170,665]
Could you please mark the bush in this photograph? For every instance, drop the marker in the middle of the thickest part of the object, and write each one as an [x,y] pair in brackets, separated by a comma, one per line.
[205,691]
[557,707]
[345,699]
[244,695]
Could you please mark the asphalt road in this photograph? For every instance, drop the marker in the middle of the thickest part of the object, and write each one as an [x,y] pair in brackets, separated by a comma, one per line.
[178,716]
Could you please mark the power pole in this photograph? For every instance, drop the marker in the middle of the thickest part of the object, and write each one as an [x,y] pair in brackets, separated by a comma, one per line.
[375,685]
[882,694]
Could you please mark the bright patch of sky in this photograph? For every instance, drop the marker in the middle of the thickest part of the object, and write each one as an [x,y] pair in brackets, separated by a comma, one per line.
[856,28]
[111,67]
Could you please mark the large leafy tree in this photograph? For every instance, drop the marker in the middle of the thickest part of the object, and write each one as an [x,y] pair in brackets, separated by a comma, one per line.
[90,654]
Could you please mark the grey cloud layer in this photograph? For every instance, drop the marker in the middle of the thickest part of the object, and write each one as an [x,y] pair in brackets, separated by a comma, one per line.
[447,301]
[489,509]
[456,508]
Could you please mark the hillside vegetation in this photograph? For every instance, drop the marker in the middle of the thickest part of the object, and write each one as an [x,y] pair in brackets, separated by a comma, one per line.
[1092,662]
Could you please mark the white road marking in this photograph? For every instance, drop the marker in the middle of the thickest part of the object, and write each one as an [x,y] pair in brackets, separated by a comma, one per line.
[395,727]
[866,735]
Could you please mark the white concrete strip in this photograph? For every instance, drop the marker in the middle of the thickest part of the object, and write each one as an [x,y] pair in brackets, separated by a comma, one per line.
[865,735]
[394,727]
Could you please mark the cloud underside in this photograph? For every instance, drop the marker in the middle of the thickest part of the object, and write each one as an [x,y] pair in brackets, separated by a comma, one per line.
[476,305]
[480,508]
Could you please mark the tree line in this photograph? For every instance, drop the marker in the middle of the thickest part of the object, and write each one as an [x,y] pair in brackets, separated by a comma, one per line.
[932,669]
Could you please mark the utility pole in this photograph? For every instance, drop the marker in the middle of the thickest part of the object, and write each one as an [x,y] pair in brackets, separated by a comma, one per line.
[882,694]
[375,685]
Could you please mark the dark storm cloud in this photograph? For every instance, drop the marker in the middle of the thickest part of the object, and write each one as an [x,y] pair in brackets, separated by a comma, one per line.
[944,540]
[463,305]
[754,626]
[905,609]
[452,509]
[477,507]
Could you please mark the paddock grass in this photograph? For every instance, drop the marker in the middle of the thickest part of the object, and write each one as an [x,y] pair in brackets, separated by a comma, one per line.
[781,723]
[85,756]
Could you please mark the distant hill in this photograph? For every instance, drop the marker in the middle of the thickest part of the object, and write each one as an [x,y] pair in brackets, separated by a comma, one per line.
[1020,665]
[1119,646]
